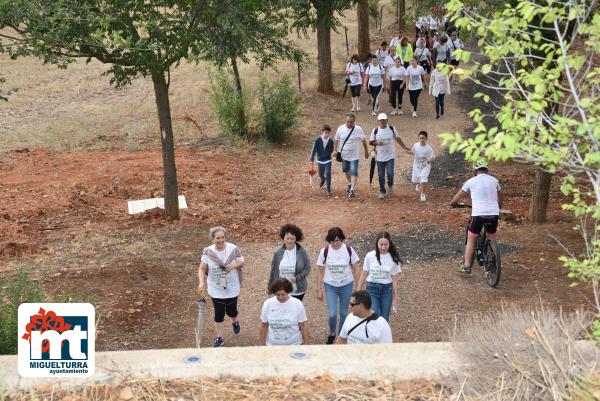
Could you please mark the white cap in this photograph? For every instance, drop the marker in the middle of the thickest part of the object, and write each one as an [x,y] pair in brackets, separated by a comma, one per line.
[382,116]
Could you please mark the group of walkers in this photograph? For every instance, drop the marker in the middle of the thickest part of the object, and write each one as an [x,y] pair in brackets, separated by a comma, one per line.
[355,297]
[403,65]
[347,143]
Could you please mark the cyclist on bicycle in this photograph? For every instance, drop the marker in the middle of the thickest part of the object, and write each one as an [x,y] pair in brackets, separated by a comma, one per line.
[486,201]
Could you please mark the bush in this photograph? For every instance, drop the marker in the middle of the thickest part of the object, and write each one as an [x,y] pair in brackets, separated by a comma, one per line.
[17,291]
[280,108]
[228,104]
[525,355]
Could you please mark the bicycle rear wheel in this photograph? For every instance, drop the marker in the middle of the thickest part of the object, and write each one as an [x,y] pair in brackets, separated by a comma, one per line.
[491,262]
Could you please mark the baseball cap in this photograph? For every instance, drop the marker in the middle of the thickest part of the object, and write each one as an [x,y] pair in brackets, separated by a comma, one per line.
[382,116]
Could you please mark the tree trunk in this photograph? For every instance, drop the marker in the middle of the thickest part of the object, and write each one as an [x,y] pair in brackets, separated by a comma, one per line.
[161,94]
[539,198]
[402,15]
[238,85]
[324,52]
[362,12]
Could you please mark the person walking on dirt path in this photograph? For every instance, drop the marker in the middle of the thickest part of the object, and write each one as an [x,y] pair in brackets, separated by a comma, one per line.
[221,266]
[396,84]
[379,268]
[416,83]
[375,80]
[395,41]
[363,326]
[291,261]
[439,87]
[383,138]
[423,55]
[486,201]
[422,164]
[354,78]
[346,142]
[382,52]
[337,272]
[283,317]
[389,62]
[323,148]
[405,51]
[441,52]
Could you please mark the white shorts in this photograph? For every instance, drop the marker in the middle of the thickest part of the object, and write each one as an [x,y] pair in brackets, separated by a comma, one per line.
[420,175]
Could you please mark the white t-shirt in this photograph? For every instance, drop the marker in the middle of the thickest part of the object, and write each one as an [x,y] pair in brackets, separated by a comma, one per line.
[355,71]
[387,151]
[351,150]
[454,45]
[284,321]
[380,273]
[221,284]
[338,266]
[375,74]
[379,331]
[484,195]
[395,41]
[420,21]
[397,73]
[422,53]
[381,55]
[442,51]
[389,62]
[422,154]
[433,23]
[415,74]
[287,267]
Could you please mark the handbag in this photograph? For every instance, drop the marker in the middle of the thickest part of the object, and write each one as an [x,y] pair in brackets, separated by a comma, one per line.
[338,155]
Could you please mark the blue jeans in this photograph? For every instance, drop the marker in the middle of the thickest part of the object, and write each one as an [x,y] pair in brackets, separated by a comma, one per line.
[382,167]
[381,298]
[337,296]
[350,166]
[325,175]
[439,104]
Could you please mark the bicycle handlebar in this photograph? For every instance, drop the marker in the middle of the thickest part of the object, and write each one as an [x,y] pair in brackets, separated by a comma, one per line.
[462,206]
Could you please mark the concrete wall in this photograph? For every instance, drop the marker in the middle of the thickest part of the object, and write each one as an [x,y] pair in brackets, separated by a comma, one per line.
[383,361]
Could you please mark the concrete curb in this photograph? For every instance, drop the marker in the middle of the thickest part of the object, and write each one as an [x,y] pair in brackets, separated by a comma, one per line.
[402,361]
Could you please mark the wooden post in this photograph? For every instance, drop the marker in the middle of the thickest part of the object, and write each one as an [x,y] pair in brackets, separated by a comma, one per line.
[299,79]
[380,18]
[347,47]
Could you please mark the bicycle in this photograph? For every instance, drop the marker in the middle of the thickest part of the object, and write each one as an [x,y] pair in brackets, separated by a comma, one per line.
[487,253]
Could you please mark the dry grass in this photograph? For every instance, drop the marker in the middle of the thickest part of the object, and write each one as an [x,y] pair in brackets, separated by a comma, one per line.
[524,355]
[314,389]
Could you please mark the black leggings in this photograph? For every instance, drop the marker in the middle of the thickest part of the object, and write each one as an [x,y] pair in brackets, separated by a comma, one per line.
[374,90]
[414,98]
[396,91]
[225,305]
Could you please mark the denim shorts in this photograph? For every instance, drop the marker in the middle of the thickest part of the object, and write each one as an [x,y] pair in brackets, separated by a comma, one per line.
[351,166]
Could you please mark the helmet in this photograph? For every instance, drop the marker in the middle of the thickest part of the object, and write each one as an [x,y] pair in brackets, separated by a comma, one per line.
[481,164]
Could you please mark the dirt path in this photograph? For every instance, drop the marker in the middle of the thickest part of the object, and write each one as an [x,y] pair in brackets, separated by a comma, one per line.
[61,215]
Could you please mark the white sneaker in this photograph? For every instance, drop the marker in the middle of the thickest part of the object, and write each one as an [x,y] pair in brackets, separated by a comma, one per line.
[358,108]
[353,110]
[393,113]
[381,195]
[390,191]
[373,114]
[418,188]
[423,198]
[414,113]
[400,112]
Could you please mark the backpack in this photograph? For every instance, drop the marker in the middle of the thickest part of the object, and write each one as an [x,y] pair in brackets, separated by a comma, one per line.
[326,252]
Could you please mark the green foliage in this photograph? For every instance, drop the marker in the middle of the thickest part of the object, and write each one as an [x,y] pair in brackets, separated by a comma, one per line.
[280,108]
[13,293]
[307,14]
[374,12]
[540,57]
[228,104]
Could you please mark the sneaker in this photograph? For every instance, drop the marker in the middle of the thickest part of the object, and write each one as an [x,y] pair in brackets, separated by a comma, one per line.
[437,117]
[330,339]
[328,193]
[423,198]
[464,269]
[351,194]
[400,112]
[357,108]
[348,188]
[353,110]
[414,114]
[381,195]
[236,327]
[321,183]
[390,191]
[373,114]
[418,188]
[393,113]
[218,342]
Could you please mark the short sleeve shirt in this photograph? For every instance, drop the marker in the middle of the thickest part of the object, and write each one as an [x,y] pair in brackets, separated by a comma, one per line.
[351,150]
[415,74]
[387,151]
[355,71]
[222,284]
[284,320]
[378,331]
[338,266]
[380,273]
[484,195]
[375,74]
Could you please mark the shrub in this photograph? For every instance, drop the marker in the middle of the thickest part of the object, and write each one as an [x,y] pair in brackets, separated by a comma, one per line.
[525,355]
[280,108]
[228,104]
[16,291]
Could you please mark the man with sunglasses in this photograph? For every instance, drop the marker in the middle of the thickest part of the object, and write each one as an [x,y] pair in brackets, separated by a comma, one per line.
[364,326]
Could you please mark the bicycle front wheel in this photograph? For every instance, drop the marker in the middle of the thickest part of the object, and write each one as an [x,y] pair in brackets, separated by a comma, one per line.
[491,262]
